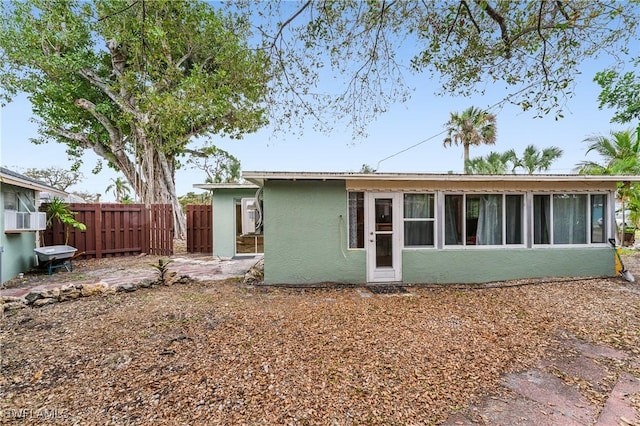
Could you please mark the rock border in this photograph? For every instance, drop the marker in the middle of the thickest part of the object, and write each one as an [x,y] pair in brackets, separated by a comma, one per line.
[66,292]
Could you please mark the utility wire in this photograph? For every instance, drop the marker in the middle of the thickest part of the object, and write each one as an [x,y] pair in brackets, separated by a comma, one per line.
[497,104]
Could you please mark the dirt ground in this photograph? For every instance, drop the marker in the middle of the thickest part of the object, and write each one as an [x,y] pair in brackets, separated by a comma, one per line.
[228,353]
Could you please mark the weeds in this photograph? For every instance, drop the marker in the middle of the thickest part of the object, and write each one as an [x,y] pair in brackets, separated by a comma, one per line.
[163,269]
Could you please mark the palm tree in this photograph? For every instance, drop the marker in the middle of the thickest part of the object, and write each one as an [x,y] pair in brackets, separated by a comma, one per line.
[621,155]
[620,152]
[120,189]
[494,163]
[535,161]
[473,126]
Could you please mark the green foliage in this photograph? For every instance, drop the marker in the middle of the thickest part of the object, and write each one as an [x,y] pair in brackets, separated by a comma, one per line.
[620,155]
[133,81]
[534,48]
[55,176]
[472,126]
[493,164]
[621,92]
[120,190]
[367,169]
[162,268]
[532,161]
[218,164]
[58,210]
[193,198]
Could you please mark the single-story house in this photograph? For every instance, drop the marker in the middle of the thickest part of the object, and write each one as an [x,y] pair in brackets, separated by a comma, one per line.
[20,221]
[418,227]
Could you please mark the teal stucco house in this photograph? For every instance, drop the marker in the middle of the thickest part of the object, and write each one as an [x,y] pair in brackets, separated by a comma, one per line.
[20,221]
[417,227]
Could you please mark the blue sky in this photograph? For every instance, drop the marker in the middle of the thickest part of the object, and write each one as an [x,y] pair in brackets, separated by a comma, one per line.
[404,125]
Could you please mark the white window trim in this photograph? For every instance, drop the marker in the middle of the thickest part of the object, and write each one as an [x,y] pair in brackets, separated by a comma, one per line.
[464,246]
[434,220]
[364,208]
[589,243]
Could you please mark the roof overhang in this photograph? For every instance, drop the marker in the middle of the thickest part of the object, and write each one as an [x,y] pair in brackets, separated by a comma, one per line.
[8,177]
[259,178]
[225,186]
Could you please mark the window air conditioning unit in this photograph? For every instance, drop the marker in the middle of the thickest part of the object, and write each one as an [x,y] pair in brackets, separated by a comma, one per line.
[15,221]
[249,215]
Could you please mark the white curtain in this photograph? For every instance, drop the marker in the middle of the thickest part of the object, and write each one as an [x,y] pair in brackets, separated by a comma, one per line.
[453,207]
[570,219]
[489,230]
[418,206]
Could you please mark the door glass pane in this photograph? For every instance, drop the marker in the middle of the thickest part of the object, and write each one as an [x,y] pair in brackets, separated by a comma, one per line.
[598,221]
[384,214]
[384,250]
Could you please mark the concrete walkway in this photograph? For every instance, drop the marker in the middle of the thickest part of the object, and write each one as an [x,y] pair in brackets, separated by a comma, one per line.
[568,390]
[202,269]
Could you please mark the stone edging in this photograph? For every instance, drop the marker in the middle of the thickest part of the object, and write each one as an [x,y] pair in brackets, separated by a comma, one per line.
[43,297]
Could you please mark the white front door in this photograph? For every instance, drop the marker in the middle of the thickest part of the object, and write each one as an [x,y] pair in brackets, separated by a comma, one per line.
[383,237]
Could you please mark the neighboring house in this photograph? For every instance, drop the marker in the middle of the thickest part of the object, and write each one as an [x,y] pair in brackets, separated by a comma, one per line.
[20,221]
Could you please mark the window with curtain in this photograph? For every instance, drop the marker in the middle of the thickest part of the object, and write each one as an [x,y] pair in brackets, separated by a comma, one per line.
[598,222]
[514,219]
[489,219]
[419,220]
[356,219]
[489,223]
[569,218]
[453,219]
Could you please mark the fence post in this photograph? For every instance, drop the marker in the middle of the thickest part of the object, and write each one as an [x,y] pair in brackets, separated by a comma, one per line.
[97,222]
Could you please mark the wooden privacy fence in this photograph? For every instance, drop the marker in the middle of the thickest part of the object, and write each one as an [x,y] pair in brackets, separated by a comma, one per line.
[199,228]
[116,230]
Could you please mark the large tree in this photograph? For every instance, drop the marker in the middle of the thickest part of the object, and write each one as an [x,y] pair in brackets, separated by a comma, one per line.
[473,126]
[364,49]
[133,81]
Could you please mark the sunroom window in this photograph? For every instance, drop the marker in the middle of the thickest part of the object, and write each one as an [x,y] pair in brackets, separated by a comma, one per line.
[419,220]
[483,219]
[569,218]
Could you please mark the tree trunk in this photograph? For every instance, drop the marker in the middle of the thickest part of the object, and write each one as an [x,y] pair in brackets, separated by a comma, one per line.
[466,158]
[152,178]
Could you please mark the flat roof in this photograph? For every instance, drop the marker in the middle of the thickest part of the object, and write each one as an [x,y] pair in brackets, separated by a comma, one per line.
[259,178]
[213,186]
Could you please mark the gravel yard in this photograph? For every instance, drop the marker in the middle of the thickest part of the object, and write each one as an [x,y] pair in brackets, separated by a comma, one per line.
[226,353]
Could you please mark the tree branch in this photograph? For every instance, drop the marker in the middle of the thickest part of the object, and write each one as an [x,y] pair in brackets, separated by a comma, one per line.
[499,19]
[94,79]
[114,133]
[544,44]
[288,21]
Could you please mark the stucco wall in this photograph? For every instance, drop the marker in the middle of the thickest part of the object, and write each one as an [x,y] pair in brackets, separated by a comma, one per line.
[18,248]
[306,242]
[224,231]
[305,227]
[470,266]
